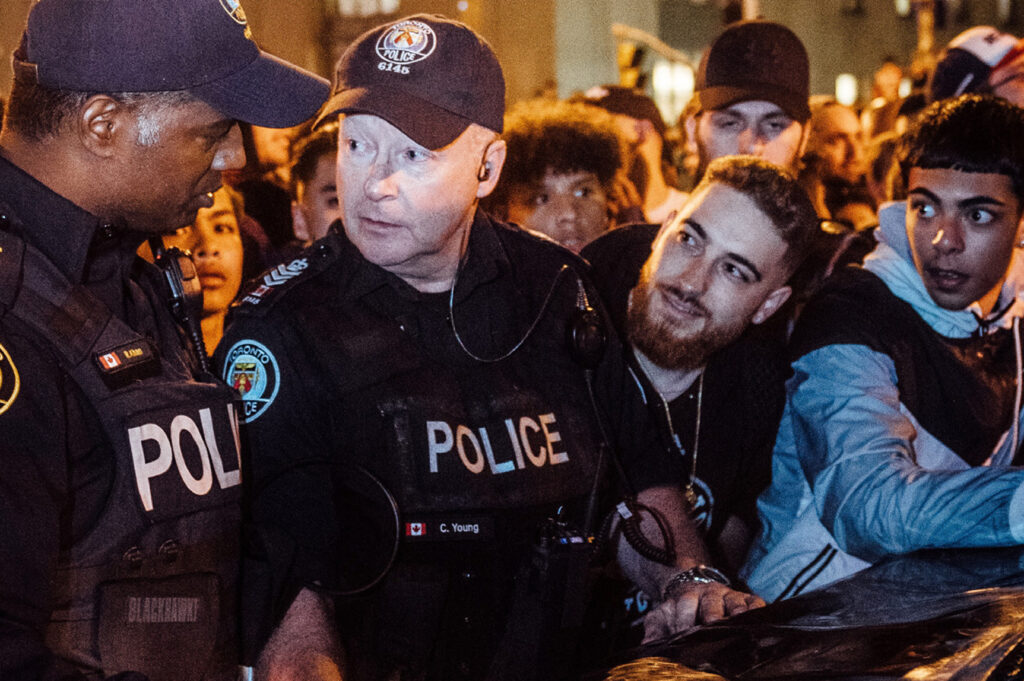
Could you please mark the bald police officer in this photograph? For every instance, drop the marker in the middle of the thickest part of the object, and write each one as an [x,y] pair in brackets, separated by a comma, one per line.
[443,355]
[121,468]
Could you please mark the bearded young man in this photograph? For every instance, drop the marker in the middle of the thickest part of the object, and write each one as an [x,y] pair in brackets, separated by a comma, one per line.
[682,296]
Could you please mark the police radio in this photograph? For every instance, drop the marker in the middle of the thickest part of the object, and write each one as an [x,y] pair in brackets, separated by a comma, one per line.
[186,293]
[547,612]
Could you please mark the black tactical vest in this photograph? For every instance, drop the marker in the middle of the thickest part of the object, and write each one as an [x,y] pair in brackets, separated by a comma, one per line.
[151,587]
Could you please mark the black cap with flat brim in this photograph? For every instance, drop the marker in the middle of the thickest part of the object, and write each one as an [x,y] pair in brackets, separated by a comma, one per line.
[204,47]
[427,75]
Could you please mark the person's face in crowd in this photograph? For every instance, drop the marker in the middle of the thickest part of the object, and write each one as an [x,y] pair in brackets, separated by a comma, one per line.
[714,269]
[405,207]
[273,145]
[571,208]
[756,128]
[836,138]
[170,164]
[962,228]
[316,203]
[216,246]
[887,81]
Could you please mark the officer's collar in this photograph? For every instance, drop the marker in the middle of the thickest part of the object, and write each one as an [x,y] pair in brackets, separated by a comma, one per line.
[484,261]
[60,229]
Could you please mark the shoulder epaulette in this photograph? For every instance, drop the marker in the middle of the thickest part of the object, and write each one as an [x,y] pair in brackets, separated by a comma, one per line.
[263,292]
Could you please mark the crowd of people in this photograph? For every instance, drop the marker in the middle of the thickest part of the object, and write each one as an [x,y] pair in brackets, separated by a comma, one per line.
[385,379]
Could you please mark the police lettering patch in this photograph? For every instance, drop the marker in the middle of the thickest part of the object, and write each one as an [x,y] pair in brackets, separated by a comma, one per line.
[252,370]
[405,43]
[10,382]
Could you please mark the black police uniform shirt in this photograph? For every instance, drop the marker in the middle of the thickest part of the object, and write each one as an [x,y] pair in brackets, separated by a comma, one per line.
[345,369]
[744,393]
[62,478]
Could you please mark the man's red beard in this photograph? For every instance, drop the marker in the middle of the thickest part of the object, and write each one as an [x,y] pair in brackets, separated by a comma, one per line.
[658,339]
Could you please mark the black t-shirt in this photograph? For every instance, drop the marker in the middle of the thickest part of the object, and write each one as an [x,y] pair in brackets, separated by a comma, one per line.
[346,370]
[744,393]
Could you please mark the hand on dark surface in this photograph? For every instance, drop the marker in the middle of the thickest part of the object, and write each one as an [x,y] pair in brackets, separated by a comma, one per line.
[696,603]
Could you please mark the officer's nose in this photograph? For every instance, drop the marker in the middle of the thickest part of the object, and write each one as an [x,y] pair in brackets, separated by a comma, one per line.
[230,153]
[381,181]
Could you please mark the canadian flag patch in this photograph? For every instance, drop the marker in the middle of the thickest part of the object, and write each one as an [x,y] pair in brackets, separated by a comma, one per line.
[110,360]
[415,529]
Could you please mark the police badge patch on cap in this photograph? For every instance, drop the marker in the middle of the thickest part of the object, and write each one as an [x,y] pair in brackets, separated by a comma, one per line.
[234,10]
[10,382]
[252,370]
[405,43]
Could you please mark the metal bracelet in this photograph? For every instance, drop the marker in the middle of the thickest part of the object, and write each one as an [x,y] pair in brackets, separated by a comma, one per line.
[699,574]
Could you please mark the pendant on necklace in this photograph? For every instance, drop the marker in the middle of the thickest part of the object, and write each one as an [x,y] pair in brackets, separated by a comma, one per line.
[691,496]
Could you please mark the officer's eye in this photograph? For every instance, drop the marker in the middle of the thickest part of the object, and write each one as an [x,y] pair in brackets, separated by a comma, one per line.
[540,199]
[416,155]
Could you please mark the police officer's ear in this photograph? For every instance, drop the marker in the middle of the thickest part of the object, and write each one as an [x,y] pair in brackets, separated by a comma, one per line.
[100,124]
[490,167]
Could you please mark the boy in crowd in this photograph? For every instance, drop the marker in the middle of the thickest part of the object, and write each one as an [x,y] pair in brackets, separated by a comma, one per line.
[901,420]
[314,189]
[560,171]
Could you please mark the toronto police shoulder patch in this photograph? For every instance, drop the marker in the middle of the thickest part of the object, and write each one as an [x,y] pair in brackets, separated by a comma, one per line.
[251,369]
[10,382]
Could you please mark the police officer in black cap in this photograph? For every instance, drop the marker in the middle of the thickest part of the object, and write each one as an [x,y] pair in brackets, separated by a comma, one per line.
[435,363]
[121,468]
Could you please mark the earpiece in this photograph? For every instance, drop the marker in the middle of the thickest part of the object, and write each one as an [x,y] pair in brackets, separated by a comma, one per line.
[485,172]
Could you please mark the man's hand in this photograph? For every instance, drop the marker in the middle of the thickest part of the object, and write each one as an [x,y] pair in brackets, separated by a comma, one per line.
[696,603]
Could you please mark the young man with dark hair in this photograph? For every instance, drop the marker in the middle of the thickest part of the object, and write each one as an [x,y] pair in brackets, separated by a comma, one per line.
[682,296]
[751,96]
[121,486]
[902,423]
[314,188]
[560,170]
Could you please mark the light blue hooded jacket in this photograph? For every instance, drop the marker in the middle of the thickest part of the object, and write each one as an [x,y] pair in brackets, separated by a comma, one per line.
[854,475]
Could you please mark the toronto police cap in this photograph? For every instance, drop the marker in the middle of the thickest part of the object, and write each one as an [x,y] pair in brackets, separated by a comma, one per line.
[202,46]
[427,75]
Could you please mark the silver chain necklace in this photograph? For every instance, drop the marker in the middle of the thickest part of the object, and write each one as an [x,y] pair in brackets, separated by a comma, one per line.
[689,491]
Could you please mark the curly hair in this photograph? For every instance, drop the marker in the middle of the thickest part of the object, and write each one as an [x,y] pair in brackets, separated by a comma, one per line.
[559,136]
[972,133]
[776,193]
